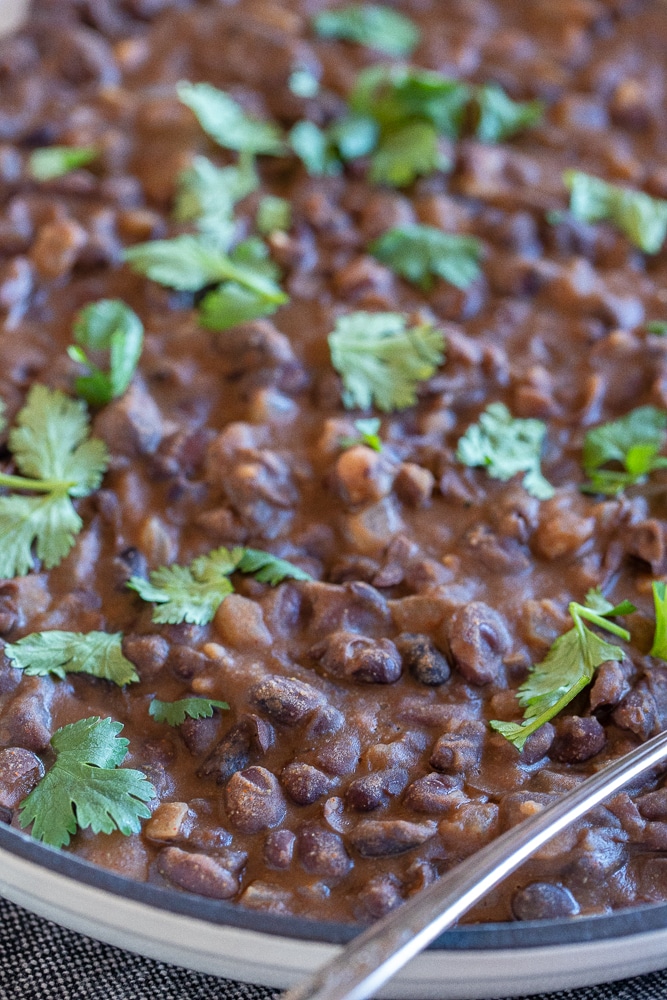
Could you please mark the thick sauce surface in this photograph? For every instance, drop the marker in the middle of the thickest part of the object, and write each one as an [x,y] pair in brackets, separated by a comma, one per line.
[339,799]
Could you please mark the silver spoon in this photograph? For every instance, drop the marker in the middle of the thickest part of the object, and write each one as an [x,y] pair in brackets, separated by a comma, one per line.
[371,959]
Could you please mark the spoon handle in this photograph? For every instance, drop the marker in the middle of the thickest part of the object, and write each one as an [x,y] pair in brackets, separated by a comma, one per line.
[377,954]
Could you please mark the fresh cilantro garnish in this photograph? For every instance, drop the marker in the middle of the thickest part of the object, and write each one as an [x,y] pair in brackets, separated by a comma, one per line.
[107,325]
[174,713]
[381,360]
[370,24]
[499,117]
[86,787]
[253,292]
[659,647]
[505,445]
[227,123]
[407,153]
[368,428]
[657,327]
[568,667]
[194,593]
[54,161]
[190,263]
[397,95]
[96,653]
[420,252]
[633,442]
[273,214]
[267,568]
[58,461]
[303,82]
[640,217]
[207,195]
[322,150]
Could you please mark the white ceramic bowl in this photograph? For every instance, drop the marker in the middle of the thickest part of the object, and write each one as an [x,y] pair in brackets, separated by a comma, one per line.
[493,960]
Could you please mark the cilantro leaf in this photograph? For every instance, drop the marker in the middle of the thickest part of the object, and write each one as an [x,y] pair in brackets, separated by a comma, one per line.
[96,653]
[381,360]
[227,123]
[506,445]
[499,117]
[633,442]
[55,161]
[314,148]
[187,263]
[252,293]
[194,593]
[186,593]
[353,136]
[407,153]
[190,263]
[58,461]
[418,252]
[107,325]
[397,95]
[640,217]
[567,668]
[207,195]
[174,713]
[267,568]
[659,647]
[373,25]
[368,428]
[85,787]
[273,214]
[657,327]
[303,82]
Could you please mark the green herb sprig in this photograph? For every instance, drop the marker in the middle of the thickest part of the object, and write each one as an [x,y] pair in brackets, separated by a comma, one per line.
[98,654]
[86,787]
[194,593]
[110,326]
[174,713]
[569,666]
[632,442]
[50,162]
[640,217]
[373,25]
[421,253]
[59,462]
[505,445]
[382,360]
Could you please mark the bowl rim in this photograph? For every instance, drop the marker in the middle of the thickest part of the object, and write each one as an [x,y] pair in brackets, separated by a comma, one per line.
[468,937]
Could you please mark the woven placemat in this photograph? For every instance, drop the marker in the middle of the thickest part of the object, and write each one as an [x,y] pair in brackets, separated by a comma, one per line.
[41,961]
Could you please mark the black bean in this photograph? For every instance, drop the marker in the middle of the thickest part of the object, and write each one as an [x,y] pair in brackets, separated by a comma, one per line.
[340,755]
[538,743]
[478,639]
[285,699]
[577,739]
[279,848]
[346,654]
[381,838]
[20,770]
[322,852]
[304,783]
[325,722]
[373,790]
[653,805]
[253,800]
[197,873]
[147,652]
[609,687]
[186,663]
[380,895]
[461,749]
[426,663]
[434,793]
[543,901]
[249,737]
[200,734]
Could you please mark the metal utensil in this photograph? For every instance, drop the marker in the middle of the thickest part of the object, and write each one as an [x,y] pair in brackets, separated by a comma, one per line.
[371,959]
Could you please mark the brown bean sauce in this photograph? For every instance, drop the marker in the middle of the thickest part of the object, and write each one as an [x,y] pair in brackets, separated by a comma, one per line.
[355,763]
